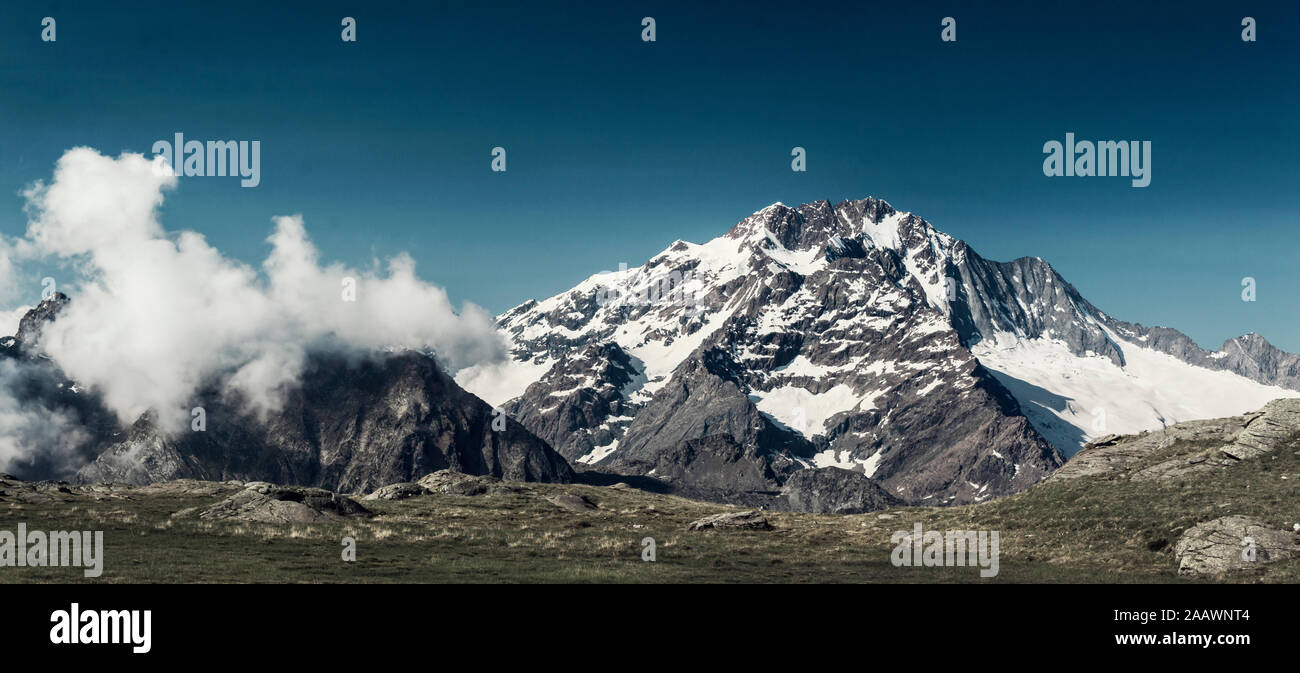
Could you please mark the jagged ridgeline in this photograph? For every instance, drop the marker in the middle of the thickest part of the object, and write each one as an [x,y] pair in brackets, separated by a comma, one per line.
[827,358]
[854,336]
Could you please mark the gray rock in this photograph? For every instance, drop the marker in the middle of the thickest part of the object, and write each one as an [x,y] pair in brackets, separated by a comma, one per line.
[458,483]
[749,520]
[352,425]
[37,492]
[189,488]
[1277,422]
[571,502]
[718,468]
[266,503]
[705,401]
[1216,546]
[1244,437]
[398,492]
[1113,455]
[1262,432]
[832,490]
[29,327]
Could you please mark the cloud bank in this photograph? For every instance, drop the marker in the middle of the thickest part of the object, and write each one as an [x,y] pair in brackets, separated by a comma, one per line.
[157,314]
[31,434]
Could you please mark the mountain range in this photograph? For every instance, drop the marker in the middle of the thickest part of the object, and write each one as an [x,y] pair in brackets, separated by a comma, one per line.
[826,358]
[854,336]
[353,423]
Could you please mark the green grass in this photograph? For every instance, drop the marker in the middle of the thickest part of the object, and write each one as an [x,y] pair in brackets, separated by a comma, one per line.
[1084,530]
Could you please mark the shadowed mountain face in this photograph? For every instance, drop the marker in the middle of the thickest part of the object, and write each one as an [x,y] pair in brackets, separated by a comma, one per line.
[352,424]
[855,336]
[70,426]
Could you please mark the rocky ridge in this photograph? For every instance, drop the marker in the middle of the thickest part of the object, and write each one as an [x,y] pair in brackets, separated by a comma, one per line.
[354,422]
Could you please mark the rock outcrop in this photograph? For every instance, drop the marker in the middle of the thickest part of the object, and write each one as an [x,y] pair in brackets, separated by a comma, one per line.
[572,503]
[459,483]
[398,492]
[261,502]
[1232,440]
[749,520]
[833,490]
[1233,543]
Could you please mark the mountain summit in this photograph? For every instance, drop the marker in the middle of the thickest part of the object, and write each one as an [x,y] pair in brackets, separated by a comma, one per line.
[854,336]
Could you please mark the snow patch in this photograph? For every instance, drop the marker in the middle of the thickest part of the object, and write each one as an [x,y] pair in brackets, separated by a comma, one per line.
[1072,399]
[807,412]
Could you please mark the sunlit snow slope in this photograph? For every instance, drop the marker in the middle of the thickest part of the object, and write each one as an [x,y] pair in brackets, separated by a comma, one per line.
[1075,398]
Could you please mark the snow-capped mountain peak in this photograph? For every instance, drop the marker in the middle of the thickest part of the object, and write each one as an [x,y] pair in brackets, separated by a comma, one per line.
[852,335]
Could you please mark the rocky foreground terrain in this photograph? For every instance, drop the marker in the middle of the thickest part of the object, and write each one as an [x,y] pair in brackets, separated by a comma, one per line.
[1168,506]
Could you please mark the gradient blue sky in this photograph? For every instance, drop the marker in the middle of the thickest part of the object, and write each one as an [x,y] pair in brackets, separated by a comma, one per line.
[617,147]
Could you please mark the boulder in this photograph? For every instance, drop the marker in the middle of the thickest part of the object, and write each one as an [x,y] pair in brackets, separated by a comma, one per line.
[573,503]
[834,490]
[400,491]
[262,502]
[1217,546]
[1278,421]
[747,520]
[458,483]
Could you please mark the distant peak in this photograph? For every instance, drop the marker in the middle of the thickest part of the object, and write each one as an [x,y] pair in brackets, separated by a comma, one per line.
[29,327]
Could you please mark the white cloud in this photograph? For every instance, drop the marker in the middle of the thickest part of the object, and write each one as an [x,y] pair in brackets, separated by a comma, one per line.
[157,313]
[9,320]
[31,433]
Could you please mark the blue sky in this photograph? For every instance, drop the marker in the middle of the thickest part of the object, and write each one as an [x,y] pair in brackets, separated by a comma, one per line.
[617,147]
